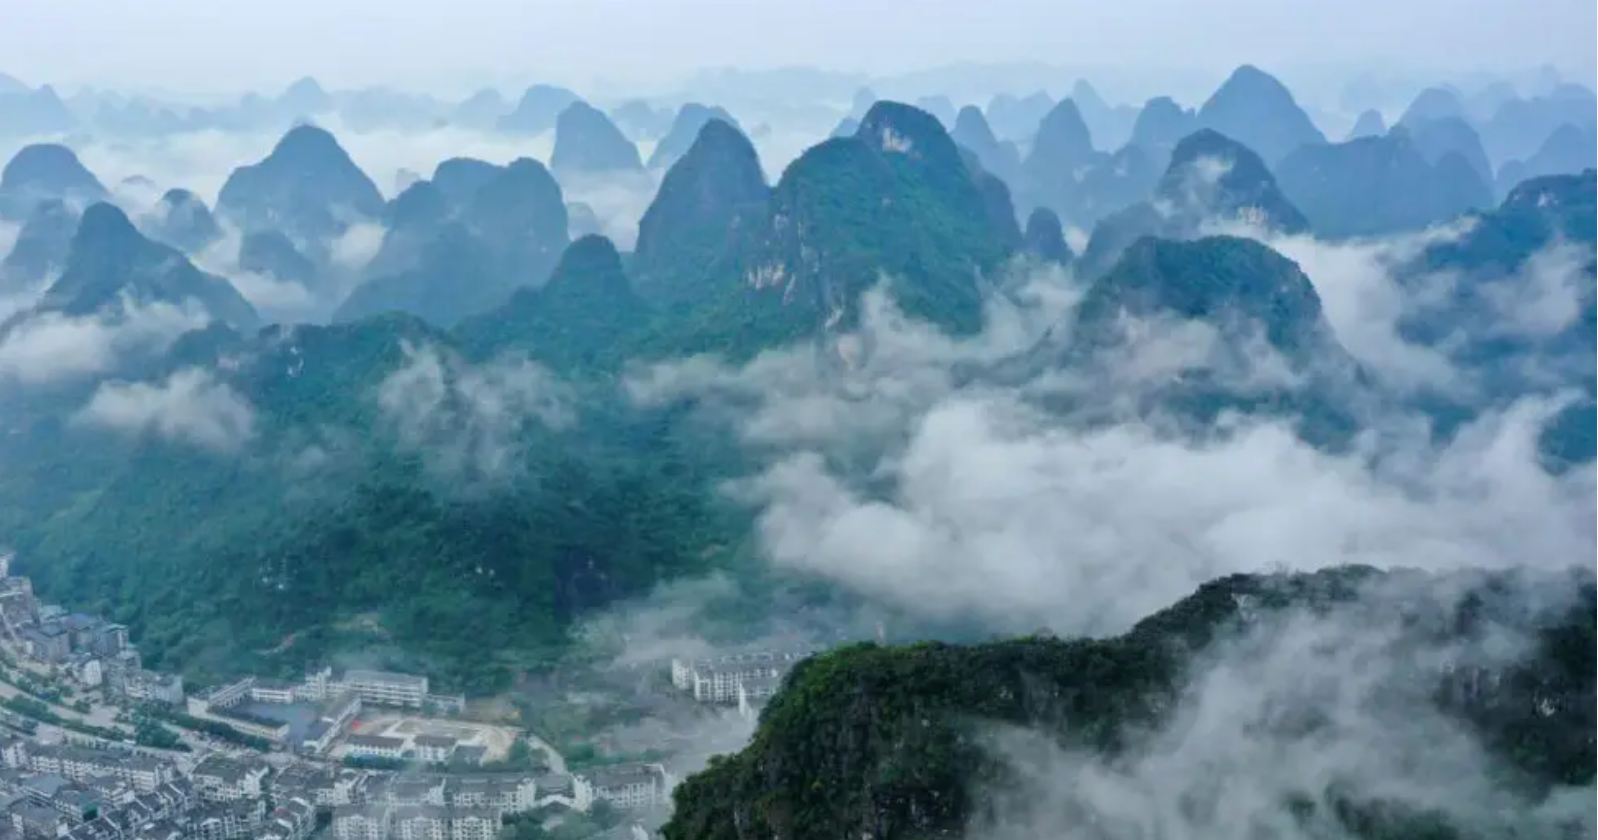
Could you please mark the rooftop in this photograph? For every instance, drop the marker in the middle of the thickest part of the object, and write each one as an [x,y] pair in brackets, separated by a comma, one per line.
[442,741]
[388,677]
[382,742]
[617,775]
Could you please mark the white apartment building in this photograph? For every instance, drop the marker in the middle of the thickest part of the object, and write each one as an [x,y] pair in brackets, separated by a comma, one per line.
[374,746]
[473,824]
[419,822]
[13,751]
[385,688]
[718,679]
[361,822]
[574,792]
[629,786]
[433,749]
[221,779]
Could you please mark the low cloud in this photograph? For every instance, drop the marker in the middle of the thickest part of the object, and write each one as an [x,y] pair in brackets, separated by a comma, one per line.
[188,406]
[467,419]
[51,346]
[1279,725]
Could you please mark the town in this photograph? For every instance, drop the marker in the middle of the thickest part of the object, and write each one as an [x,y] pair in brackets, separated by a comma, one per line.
[96,747]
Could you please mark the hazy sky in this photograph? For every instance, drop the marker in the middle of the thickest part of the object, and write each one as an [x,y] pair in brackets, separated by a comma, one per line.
[216,45]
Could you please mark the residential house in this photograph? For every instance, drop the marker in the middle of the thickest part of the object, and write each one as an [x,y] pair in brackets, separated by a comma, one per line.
[361,822]
[434,749]
[220,778]
[629,786]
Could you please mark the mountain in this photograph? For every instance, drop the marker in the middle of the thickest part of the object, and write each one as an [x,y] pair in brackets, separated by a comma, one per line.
[482,110]
[269,252]
[1520,126]
[902,743]
[1433,103]
[42,248]
[712,196]
[1512,300]
[1212,179]
[509,234]
[1567,151]
[574,322]
[938,106]
[684,131]
[412,219]
[1437,138]
[34,113]
[111,265]
[307,187]
[1110,125]
[894,199]
[537,110]
[1160,126]
[971,131]
[642,121]
[44,172]
[1376,186]
[1045,238]
[846,127]
[458,179]
[1255,109]
[1018,119]
[1368,124]
[304,98]
[1061,153]
[588,143]
[182,220]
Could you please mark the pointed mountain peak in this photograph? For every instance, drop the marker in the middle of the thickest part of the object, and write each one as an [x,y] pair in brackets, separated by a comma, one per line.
[309,142]
[459,178]
[1213,175]
[43,171]
[105,225]
[1160,125]
[1433,103]
[1063,135]
[537,110]
[1369,124]
[704,200]
[592,262]
[421,205]
[1258,110]
[897,128]
[1084,93]
[684,131]
[971,129]
[1045,237]
[587,142]
[182,219]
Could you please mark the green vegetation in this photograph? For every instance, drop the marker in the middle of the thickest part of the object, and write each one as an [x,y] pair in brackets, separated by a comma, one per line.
[882,742]
[150,733]
[210,727]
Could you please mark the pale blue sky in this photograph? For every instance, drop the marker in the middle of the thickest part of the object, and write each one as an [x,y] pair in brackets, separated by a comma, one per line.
[221,45]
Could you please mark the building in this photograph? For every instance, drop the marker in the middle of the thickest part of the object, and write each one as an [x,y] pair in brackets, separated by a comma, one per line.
[629,786]
[434,749]
[473,824]
[499,794]
[415,790]
[574,792]
[294,818]
[146,686]
[37,822]
[86,670]
[361,822]
[321,786]
[271,691]
[47,642]
[226,820]
[419,822]
[13,750]
[385,688]
[717,679]
[219,778]
[374,746]
[222,697]
[112,639]
[144,773]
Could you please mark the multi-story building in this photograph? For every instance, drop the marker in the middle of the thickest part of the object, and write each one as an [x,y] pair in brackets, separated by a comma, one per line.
[13,750]
[143,772]
[717,679]
[473,824]
[374,746]
[295,817]
[37,822]
[219,778]
[419,822]
[574,792]
[433,749]
[630,786]
[47,642]
[500,794]
[385,688]
[361,822]
[225,820]
[415,790]
[271,691]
